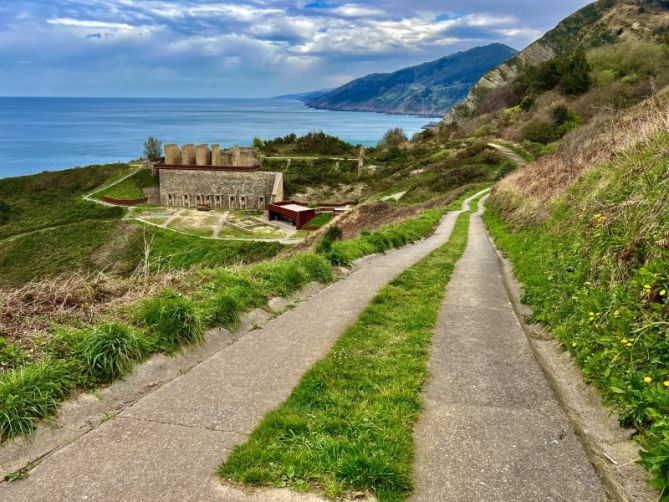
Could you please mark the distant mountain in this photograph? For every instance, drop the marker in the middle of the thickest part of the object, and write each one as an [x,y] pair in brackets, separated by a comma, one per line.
[599,23]
[304,96]
[429,89]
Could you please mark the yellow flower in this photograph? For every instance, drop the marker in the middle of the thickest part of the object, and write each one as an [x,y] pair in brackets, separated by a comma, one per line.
[666,383]
[647,379]
[646,286]
[629,344]
[616,313]
[663,292]
[574,344]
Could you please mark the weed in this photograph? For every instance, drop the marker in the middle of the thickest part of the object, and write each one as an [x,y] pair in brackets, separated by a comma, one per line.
[109,351]
[173,319]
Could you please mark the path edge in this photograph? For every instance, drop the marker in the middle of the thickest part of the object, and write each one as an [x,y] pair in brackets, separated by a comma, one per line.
[623,480]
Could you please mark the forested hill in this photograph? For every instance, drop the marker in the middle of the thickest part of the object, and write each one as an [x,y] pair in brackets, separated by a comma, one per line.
[429,89]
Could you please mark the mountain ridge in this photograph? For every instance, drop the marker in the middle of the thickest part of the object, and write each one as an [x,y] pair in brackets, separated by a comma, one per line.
[429,89]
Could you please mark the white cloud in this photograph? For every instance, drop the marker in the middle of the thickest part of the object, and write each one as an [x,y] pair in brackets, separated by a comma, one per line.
[89,24]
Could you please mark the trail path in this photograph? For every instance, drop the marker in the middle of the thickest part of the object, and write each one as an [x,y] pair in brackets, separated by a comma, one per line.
[169,443]
[509,153]
[492,428]
[219,225]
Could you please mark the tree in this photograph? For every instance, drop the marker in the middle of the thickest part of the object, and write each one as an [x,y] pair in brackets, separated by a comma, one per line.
[394,138]
[153,149]
[258,143]
[575,78]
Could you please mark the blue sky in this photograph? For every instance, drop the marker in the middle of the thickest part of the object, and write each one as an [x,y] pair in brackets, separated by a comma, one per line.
[189,48]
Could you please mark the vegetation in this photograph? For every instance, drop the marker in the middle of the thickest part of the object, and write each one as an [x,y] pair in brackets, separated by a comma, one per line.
[596,274]
[348,424]
[153,149]
[51,199]
[314,143]
[394,138]
[320,219]
[131,187]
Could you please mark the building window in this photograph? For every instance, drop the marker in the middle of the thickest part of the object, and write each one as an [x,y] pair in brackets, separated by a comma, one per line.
[261,202]
[169,199]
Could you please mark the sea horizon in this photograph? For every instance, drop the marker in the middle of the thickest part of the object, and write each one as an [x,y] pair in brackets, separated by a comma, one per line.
[47,133]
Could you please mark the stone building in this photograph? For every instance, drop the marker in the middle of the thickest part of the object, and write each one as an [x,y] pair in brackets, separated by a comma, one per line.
[193,176]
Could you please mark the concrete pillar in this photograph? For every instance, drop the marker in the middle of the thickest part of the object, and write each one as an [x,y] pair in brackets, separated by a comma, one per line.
[202,155]
[188,155]
[172,155]
[236,156]
[216,155]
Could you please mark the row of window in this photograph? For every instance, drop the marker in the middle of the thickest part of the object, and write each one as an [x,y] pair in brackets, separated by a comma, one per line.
[216,200]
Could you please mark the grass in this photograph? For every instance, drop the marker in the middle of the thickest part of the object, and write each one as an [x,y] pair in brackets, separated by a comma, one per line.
[131,187]
[347,426]
[54,198]
[52,252]
[320,219]
[597,275]
[387,237]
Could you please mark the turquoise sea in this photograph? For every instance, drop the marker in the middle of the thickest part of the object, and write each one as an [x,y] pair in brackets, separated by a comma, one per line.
[38,134]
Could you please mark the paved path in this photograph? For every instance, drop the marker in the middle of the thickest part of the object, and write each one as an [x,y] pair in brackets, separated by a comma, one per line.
[492,429]
[167,446]
[509,153]
[219,224]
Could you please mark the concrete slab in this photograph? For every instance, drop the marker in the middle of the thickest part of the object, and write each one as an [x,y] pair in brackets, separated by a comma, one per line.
[492,428]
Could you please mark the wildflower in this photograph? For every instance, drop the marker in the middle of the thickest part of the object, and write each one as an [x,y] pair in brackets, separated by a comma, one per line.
[647,379]
[666,383]
[663,292]
[616,313]
[629,344]
[646,287]
[574,344]
[624,340]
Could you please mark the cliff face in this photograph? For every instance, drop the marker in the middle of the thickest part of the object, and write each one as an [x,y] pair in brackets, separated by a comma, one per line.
[429,89]
[600,23]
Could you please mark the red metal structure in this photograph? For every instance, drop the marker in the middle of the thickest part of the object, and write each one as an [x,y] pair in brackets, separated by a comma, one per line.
[291,210]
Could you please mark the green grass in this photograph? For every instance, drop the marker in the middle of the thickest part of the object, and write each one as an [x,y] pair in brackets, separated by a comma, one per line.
[319,220]
[130,188]
[387,237]
[347,426]
[597,275]
[54,198]
[55,251]
[174,251]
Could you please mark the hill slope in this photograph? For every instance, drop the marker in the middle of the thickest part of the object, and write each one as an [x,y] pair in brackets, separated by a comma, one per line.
[601,23]
[429,89]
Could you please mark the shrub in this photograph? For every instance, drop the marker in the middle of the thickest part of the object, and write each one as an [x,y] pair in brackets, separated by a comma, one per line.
[109,351]
[332,234]
[31,393]
[173,319]
[11,355]
[541,131]
[394,138]
[153,149]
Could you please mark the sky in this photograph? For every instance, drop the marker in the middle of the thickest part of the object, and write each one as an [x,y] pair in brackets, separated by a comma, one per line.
[259,48]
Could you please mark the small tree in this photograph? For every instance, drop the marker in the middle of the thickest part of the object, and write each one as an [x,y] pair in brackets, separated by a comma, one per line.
[258,143]
[394,138]
[153,149]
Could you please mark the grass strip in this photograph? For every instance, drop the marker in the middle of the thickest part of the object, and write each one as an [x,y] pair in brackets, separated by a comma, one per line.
[347,426]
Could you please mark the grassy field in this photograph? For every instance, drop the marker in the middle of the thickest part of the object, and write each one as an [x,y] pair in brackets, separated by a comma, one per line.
[130,188]
[347,426]
[50,199]
[597,275]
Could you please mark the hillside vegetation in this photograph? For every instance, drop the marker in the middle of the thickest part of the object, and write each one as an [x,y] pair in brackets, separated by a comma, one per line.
[429,89]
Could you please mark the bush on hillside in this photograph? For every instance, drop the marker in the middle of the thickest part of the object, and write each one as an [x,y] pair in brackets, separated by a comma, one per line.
[394,138]
[153,149]
[569,73]
[541,131]
[315,142]
[173,319]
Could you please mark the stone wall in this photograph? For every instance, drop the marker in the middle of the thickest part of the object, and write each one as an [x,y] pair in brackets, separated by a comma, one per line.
[224,189]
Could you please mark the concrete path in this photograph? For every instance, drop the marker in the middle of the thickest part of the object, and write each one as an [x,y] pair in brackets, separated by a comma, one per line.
[169,219]
[492,428]
[168,445]
[509,153]
[219,225]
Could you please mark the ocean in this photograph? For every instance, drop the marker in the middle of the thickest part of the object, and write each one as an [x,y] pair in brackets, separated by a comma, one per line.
[38,134]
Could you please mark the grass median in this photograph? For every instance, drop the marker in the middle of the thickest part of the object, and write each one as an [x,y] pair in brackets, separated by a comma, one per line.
[347,426]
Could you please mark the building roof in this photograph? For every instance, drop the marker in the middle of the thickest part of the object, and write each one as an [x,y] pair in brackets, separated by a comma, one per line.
[295,207]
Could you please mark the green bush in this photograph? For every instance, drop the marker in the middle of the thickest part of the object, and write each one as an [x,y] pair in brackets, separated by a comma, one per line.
[173,319]
[109,351]
[541,131]
[224,309]
[30,393]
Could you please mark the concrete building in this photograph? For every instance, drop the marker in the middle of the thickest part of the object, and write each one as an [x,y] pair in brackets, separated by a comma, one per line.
[194,176]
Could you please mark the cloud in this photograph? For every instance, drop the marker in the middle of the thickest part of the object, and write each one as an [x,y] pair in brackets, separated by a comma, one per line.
[245,47]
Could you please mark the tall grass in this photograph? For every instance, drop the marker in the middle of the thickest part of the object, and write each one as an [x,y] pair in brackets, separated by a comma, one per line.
[110,351]
[30,393]
[173,319]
